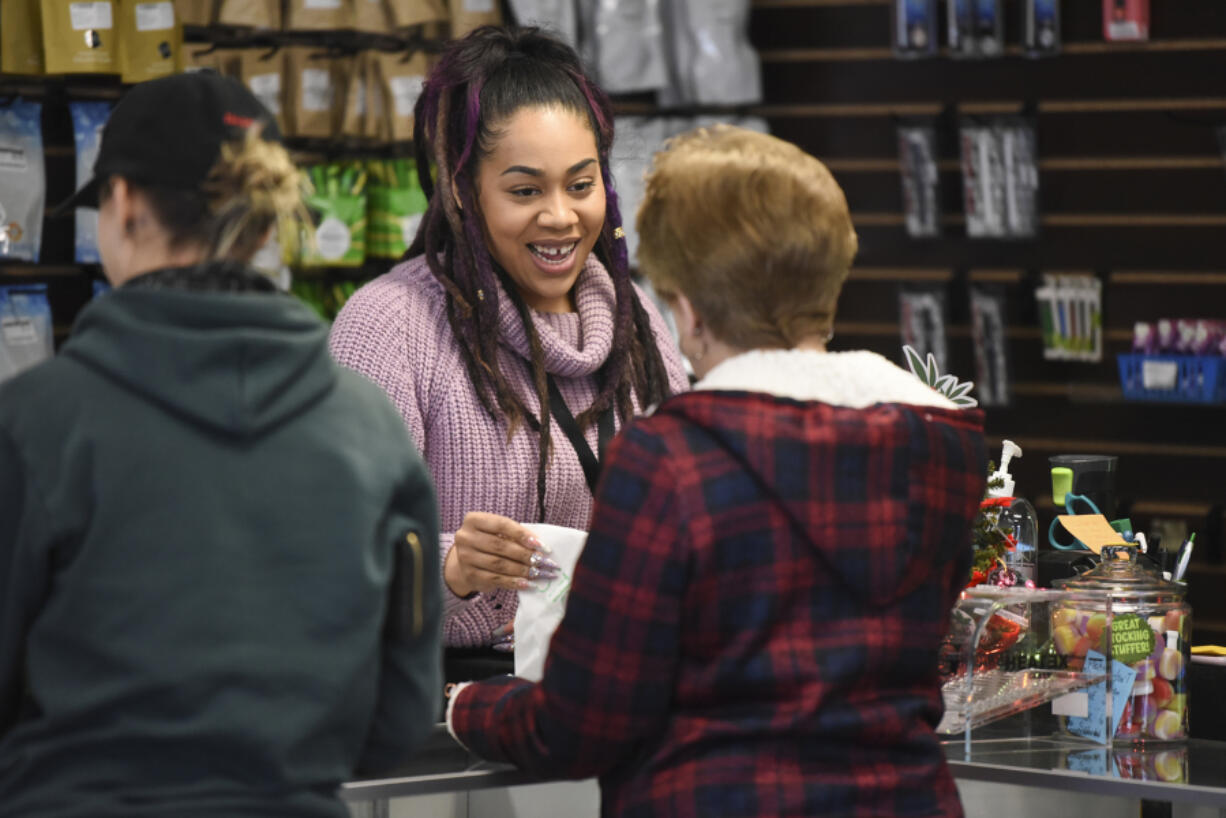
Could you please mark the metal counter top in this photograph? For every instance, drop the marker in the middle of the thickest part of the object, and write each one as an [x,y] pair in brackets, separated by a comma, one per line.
[1198,768]
[441,765]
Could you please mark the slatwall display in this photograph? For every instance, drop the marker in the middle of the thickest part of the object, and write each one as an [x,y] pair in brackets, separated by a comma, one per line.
[1132,190]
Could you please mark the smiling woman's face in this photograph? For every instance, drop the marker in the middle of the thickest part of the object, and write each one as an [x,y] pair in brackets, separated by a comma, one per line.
[542,196]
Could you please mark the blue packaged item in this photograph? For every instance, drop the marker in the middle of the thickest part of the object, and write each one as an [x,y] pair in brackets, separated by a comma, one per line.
[26,335]
[23,180]
[915,28]
[88,120]
[1041,27]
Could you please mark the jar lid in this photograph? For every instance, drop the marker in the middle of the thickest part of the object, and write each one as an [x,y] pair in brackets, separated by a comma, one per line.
[1121,573]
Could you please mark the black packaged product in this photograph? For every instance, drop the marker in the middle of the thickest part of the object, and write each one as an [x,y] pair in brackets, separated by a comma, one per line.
[991,347]
[920,180]
[1041,27]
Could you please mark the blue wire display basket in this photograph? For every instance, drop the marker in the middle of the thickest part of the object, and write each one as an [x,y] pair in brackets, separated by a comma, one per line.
[1173,378]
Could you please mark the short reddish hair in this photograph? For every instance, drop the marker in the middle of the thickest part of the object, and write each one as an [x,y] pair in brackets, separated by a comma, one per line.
[752,230]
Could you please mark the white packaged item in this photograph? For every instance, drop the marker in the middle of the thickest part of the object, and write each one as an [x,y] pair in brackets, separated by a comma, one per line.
[560,17]
[630,45]
[920,180]
[635,140]
[88,120]
[25,328]
[541,611]
[711,60]
[23,180]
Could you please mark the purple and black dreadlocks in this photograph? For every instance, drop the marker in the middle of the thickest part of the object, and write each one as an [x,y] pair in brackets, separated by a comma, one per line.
[480,81]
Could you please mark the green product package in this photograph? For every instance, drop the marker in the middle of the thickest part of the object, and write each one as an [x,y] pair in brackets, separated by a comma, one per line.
[337,203]
[397,204]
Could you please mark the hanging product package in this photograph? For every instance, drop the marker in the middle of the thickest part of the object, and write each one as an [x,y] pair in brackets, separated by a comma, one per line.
[921,317]
[195,12]
[371,16]
[920,180]
[630,46]
[25,328]
[960,27]
[1021,172]
[395,206]
[310,93]
[21,44]
[638,138]
[23,181]
[88,120]
[1041,28]
[407,13]
[317,15]
[79,37]
[469,14]
[988,335]
[1125,20]
[337,203]
[351,76]
[263,73]
[558,16]
[402,78]
[376,126]
[258,14]
[989,28]
[149,40]
[712,61]
[983,184]
[915,28]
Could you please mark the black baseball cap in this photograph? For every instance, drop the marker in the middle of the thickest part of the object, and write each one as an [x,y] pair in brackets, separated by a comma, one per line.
[169,132]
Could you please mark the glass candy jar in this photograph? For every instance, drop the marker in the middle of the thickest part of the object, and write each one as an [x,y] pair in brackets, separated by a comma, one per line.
[1146,627]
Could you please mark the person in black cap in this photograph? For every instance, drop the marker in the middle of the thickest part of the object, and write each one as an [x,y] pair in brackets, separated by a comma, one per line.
[218,549]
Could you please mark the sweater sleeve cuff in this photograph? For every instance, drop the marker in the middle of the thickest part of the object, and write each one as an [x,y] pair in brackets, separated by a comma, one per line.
[451,602]
[455,697]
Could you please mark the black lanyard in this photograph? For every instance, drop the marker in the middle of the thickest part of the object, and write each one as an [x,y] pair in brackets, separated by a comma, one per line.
[604,427]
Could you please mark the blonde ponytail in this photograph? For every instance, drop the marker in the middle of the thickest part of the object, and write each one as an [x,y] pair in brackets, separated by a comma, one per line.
[253,187]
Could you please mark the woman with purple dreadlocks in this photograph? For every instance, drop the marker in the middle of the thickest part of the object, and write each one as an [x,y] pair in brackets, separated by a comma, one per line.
[511,337]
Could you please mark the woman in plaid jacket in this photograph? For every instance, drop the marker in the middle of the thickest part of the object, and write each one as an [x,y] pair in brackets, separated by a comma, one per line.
[753,625]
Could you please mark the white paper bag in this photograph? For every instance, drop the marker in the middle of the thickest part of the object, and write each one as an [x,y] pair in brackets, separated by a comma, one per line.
[540,611]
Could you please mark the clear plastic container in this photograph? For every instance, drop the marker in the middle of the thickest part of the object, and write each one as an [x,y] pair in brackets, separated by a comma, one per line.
[1020,524]
[1146,627]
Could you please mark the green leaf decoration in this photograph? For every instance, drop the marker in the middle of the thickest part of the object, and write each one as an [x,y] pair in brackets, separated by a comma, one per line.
[916,363]
[948,385]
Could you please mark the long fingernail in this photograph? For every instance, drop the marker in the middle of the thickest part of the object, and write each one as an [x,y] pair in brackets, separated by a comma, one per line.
[504,640]
[549,565]
[525,585]
[501,631]
[507,647]
[533,542]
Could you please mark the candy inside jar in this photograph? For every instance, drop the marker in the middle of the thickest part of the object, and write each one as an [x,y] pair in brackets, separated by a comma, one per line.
[1146,628]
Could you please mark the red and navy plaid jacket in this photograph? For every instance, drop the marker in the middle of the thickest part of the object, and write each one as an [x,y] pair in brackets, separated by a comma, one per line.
[753,626]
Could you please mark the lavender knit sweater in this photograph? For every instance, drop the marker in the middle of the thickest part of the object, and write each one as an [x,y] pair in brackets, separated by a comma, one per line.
[394,330]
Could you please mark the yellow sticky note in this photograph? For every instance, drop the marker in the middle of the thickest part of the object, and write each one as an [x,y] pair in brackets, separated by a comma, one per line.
[1092,529]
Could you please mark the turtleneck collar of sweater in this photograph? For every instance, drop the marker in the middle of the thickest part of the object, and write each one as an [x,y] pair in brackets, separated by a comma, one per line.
[577,343]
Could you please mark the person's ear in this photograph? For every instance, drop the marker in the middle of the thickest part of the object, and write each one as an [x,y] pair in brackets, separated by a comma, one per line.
[120,202]
[689,322]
